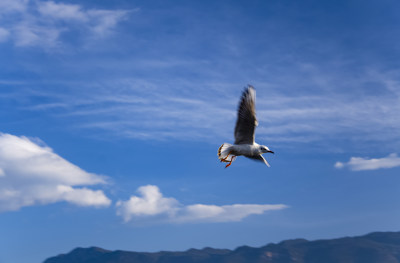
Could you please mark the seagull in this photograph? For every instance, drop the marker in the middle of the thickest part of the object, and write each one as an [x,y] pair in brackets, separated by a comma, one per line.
[244,133]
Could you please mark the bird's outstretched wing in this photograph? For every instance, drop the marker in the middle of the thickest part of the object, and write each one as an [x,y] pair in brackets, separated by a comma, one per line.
[259,158]
[246,120]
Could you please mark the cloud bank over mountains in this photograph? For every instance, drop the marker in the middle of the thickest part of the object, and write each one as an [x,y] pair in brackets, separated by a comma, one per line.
[153,205]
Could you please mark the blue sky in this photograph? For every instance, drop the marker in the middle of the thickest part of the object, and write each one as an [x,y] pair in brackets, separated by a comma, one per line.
[111,114]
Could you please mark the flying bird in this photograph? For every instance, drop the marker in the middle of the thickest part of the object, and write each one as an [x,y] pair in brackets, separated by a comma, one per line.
[244,133]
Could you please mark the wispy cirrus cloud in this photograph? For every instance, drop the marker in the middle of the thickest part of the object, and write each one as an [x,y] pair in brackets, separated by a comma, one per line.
[4,34]
[32,174]
[43,23]
[61,11]
[161,96]
[97,21]
[131,108]
[145,110]
[13,6]
[153,205]
[362,164]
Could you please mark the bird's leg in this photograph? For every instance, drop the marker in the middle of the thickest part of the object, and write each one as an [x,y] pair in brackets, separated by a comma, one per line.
[224,159]
[233,158]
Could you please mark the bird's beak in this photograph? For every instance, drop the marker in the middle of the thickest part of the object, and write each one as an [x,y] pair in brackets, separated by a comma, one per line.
[271,152]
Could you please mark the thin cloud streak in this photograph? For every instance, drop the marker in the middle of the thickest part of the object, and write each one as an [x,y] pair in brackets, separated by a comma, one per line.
[365,164]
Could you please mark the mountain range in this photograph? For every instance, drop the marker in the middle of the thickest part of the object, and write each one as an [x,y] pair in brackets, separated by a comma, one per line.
[377,247]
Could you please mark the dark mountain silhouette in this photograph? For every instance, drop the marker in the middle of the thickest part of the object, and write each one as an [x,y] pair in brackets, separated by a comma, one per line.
[378,247]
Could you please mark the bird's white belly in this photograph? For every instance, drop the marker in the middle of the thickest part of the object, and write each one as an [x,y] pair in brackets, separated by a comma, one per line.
[244,149]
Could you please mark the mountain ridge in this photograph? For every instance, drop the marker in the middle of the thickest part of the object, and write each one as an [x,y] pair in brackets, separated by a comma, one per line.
[370,248]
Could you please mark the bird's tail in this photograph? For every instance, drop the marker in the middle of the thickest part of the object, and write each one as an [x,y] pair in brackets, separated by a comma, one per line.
[224,153]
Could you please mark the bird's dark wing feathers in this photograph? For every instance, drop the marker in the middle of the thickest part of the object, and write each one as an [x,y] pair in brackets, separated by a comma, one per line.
[246,119]
[258,158]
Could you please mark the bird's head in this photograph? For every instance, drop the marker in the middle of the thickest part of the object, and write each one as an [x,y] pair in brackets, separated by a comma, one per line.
[265,149]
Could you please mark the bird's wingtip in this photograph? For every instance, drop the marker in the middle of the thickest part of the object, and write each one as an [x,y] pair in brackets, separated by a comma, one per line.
[265,161]
[249,86]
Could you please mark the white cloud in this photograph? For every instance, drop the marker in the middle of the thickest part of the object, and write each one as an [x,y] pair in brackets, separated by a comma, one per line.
[98,21]
[339,165]
[225,213]
[32,174]
[61,11]
[102,21]
[42,23]
[152,204]
[360,164]
[83,196]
